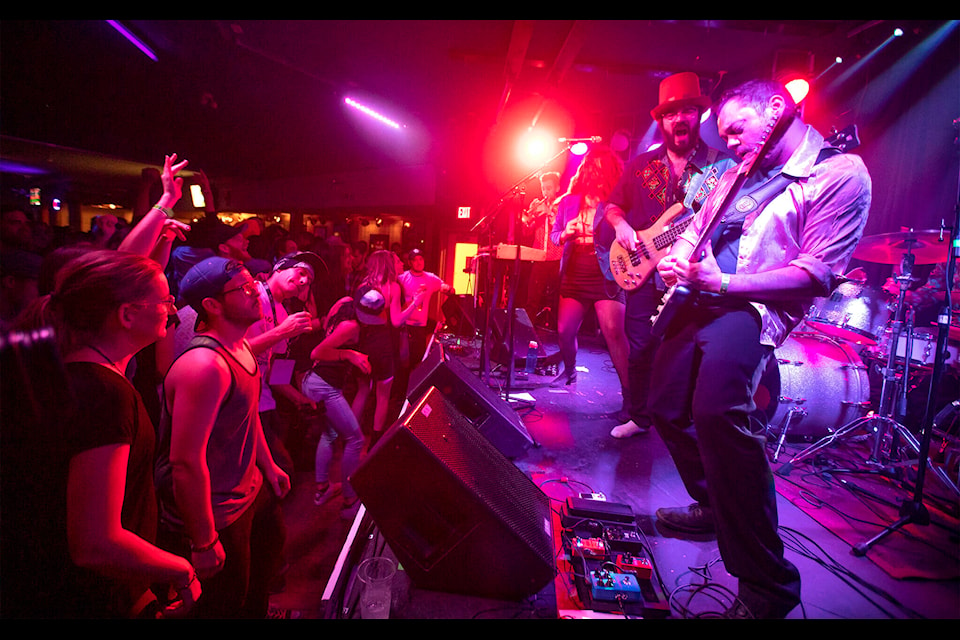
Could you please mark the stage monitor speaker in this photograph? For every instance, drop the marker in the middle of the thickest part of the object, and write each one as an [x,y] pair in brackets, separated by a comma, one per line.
[460,315]
[523,334]
[457,514]
[489,414]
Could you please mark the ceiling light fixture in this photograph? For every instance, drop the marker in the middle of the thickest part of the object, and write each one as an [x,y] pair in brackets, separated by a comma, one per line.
[350,102]
[137,42]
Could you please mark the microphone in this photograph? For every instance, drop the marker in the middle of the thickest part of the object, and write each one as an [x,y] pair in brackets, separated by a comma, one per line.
[593,139]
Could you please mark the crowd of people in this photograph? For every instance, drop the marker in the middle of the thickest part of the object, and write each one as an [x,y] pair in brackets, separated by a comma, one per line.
[180,345]
[175,349]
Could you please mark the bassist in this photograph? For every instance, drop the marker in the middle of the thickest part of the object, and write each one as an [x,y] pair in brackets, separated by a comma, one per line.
[684,169]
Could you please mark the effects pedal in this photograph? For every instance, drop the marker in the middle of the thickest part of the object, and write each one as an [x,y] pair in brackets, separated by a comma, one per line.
[623,539]
[591,548]
[614,586]
[639,566]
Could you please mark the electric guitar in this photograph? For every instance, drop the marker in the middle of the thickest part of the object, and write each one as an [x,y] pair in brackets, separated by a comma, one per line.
[679,296]
[631,269]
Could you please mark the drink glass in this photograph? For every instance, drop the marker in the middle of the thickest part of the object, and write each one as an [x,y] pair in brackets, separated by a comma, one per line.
[376,582]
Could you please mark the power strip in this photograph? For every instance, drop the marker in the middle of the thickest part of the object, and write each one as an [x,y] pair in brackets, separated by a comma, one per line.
[599,510]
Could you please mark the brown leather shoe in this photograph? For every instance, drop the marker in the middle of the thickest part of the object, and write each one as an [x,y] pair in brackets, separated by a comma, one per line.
[691,519]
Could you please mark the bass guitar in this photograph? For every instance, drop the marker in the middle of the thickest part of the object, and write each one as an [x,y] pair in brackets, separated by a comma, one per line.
[630,269]
[680,296]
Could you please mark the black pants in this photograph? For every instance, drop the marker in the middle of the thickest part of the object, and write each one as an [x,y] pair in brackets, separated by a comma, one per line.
[253,545]
[707,369]
[641,305]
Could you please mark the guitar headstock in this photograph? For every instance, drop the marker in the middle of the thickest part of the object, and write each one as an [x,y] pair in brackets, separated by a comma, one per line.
[771,133]
[846,139]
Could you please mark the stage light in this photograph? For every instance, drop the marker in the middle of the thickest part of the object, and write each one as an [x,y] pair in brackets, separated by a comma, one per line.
[579,148]
[535,147]
[137,42]
[350,102]
[897,32]
[798,88]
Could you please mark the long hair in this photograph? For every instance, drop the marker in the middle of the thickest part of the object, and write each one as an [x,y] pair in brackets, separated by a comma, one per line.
[597,174]
[380,269]
[89,288]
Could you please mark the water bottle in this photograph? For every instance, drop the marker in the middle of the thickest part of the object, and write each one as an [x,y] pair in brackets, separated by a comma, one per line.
[531,357]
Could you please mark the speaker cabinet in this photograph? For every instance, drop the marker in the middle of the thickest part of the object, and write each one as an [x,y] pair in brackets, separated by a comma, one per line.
[490,415]
[458,515]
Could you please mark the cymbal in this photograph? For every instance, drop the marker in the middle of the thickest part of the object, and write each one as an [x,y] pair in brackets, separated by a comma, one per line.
[890,248]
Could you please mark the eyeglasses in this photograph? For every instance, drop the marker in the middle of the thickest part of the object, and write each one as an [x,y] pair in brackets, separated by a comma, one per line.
[170,303]
[248,288]
[686,112]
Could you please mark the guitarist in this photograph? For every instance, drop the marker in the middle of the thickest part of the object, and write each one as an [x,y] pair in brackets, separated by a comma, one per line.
[761,267]
[684,169]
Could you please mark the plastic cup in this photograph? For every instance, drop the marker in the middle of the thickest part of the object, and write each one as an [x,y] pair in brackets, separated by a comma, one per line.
[376,581]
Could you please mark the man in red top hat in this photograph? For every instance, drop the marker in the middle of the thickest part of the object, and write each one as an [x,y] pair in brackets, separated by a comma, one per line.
[683,169]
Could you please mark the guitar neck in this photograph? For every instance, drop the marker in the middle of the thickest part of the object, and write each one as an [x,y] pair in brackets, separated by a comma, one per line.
[664,240]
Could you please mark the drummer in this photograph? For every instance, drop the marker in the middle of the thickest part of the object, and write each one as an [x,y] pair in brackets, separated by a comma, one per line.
[927,291]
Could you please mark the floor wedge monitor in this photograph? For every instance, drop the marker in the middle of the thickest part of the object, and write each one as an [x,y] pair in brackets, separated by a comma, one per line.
[459,516]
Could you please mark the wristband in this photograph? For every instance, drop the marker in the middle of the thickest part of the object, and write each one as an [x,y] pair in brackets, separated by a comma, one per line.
[724,283]
[205,547]
[164,210]
[193,578]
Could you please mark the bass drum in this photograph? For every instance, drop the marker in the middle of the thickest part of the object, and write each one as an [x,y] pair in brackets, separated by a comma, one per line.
[823,386]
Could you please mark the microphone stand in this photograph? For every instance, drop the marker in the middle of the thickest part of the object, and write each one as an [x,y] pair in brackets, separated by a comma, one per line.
[517,190]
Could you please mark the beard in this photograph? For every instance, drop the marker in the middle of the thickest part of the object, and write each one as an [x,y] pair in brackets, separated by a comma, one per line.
[682,138]
[243,315]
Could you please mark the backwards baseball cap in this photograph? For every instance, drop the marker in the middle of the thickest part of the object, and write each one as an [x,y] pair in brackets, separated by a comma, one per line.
[304,259]
[369,305]
[206,279]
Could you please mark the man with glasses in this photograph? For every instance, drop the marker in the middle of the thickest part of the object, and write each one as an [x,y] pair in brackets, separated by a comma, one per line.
[683,169]
[218,484]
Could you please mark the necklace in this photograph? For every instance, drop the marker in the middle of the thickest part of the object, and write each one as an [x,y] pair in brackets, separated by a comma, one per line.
[106,359]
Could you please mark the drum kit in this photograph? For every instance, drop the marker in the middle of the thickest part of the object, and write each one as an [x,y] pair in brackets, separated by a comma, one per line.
[824,382]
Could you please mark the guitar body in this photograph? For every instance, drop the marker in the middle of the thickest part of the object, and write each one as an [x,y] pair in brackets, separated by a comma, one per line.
[630,269]
[674,300]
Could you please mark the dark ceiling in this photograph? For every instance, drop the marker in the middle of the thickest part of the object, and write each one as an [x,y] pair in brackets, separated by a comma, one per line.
[254,99]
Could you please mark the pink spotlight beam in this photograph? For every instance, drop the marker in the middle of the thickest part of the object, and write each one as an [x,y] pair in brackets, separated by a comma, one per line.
[137,42]
[370,112]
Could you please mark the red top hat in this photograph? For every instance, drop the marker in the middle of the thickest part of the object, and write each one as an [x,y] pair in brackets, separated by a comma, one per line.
[678,91]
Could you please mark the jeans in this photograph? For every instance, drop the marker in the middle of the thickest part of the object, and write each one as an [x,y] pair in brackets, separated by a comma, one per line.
[341,423]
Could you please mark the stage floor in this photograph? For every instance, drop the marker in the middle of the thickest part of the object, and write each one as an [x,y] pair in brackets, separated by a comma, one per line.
[573,454]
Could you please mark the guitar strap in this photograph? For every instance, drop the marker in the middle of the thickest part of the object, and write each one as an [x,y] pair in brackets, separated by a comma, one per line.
[747,203]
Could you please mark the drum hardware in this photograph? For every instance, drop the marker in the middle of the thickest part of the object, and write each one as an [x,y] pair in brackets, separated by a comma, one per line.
[912,245]
[883,424]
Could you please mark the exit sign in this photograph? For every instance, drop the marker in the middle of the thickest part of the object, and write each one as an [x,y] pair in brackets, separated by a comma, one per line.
[463,213]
